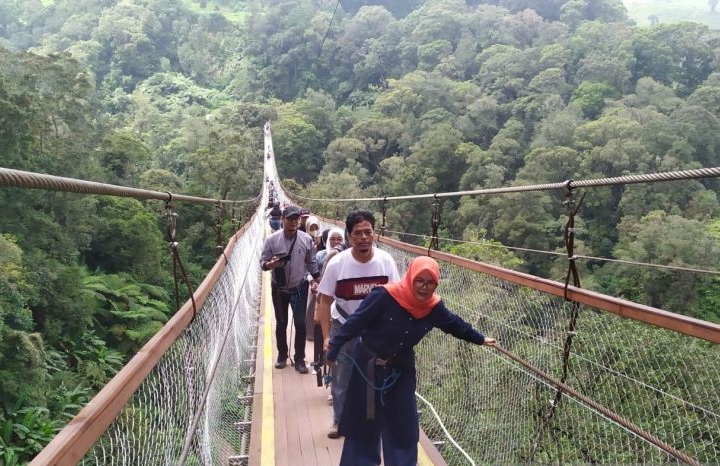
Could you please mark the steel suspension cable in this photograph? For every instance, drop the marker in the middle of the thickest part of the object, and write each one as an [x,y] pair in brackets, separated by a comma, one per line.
[557,253]
[31,180]
[618,180]
[322,44]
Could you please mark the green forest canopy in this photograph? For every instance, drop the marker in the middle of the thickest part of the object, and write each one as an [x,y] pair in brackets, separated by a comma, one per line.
[390,98]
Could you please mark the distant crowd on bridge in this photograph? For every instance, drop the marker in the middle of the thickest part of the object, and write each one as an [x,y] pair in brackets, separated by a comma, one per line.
[347,296]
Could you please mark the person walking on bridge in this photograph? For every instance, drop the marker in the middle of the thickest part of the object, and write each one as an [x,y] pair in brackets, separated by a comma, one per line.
[290,254]
[347,279]
[380,402]
[275,217]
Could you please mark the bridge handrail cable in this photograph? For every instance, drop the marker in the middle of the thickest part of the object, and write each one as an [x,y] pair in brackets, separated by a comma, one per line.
[557,253]
[713,172]
[640,312]
[31,180]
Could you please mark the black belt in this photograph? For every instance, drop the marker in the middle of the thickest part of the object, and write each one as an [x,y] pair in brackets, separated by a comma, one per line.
[287,291]
[371,391]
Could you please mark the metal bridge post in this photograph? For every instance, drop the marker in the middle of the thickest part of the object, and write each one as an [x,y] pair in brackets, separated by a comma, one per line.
[384,216]
[572,207]
[435,224]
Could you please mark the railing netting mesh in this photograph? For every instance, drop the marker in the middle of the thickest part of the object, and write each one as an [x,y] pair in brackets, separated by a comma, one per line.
[214,356]
[666,383]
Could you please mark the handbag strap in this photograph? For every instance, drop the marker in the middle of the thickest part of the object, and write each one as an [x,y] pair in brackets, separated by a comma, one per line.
[293,245]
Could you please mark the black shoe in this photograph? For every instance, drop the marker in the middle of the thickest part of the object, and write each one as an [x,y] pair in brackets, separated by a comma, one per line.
[281,363]
[301,367]
[333,433]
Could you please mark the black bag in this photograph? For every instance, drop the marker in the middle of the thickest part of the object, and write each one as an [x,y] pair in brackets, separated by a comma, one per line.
[279,277]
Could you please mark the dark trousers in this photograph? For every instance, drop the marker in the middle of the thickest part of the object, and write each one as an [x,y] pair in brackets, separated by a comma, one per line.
[281,301]
[365,451]
[317,343]
[310,317]
[395,427]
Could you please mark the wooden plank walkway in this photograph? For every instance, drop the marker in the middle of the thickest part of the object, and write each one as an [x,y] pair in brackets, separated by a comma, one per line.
[291,414]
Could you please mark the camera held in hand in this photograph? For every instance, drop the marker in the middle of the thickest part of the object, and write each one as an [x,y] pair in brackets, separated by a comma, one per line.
[279,277]
[322,371]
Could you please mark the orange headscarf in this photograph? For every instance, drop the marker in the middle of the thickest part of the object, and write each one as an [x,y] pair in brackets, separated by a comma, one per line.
[402,291]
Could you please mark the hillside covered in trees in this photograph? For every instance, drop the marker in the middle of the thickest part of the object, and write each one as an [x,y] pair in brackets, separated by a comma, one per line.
[377,98]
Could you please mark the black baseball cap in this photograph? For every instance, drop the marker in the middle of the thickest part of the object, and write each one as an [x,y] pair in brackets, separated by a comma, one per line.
[291,211]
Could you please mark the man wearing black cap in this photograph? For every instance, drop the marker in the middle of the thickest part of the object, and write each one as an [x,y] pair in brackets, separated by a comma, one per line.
[304,215]
[290,254]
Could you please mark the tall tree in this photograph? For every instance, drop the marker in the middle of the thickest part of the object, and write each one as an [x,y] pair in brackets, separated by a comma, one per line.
[126,238]
[678,55]
[663,239]
[575,12]
[381,138]
[297,144]
[124,157]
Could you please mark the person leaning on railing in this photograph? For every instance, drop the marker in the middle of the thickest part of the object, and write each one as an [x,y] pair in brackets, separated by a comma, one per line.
[380,400]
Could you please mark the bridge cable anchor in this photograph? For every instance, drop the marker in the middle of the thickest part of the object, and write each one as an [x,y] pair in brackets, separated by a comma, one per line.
[171,218]
[435,224]
[384,216]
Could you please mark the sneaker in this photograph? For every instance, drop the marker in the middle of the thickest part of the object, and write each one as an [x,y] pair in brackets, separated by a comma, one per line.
[281,363]
[329,397]
[301,367]
[334,431]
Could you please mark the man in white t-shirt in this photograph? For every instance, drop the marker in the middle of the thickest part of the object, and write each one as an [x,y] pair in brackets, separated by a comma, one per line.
[347,279]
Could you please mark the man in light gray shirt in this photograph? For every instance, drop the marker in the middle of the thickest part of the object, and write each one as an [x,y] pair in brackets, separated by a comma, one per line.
[290,254]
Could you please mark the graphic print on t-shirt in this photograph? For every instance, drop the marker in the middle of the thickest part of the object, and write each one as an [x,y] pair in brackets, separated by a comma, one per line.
[357,288]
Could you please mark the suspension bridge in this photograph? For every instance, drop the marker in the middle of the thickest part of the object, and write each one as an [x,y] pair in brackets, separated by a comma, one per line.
[577,377]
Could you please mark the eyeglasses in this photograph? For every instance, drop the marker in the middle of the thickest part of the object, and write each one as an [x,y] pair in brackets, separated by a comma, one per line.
[359,233]
[429,284]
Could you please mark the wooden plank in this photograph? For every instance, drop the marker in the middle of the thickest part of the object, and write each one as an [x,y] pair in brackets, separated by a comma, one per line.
[282,448]
[263,447]
[303,417]
[431,453]
[303,409]
[327,451]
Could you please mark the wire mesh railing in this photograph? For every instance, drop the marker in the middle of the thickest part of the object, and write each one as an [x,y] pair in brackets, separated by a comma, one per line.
[663,382]
[186,397]
[191,408]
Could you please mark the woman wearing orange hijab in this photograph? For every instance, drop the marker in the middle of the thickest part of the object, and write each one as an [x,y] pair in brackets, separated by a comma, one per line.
[380,403]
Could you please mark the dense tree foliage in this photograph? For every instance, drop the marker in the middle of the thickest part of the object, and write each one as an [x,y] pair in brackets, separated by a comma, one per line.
[390,98]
